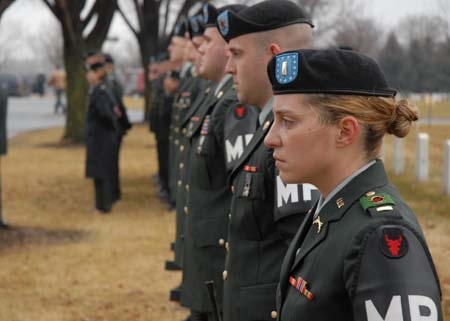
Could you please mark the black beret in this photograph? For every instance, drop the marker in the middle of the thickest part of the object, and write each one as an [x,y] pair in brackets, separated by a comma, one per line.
[210,12]
[90,53]
[95,66]
[181,27]
[332,71]
[263,16]
[108,58]
[196,26]
[173,74]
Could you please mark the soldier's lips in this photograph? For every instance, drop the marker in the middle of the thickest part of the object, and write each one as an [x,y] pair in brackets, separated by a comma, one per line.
[278,161]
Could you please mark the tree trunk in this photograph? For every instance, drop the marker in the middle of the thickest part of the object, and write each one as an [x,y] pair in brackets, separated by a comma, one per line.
[76,92]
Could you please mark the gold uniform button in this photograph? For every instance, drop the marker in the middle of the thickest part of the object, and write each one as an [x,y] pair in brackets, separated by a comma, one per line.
[177,142]
[274,314]
[181,148]
[187,187]
[232,189]
[186,210]
[181,165]
[229,216]
[227,246]
[221,242]
[179,183]
[177,130]
[184,131]
[224,275]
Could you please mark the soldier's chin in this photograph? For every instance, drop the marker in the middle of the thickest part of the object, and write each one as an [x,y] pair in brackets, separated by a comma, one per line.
[286,178]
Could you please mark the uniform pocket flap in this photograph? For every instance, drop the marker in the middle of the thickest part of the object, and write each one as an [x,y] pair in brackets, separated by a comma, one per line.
[257,302]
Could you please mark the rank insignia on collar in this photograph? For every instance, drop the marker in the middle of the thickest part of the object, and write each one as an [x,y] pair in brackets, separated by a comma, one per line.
[266,125]
[222,21]
[319,224]
[286,67]
[300,284]
[393,243]
[220,94]
[340,202]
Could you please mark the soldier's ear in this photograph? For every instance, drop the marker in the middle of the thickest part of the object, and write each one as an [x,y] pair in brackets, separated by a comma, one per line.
[274,49]
[348,130]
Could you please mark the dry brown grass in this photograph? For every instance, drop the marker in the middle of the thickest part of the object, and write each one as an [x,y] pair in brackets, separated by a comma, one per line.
[133,102]
[60,262]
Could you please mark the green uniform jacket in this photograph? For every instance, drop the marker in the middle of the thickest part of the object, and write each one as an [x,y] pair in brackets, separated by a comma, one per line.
[207,201]
[257,237]
[369,260]
[180,162]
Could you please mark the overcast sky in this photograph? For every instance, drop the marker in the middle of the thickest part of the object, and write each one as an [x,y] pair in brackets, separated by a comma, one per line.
[387,12]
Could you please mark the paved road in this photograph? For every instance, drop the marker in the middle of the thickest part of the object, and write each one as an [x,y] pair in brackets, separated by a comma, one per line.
[29,113]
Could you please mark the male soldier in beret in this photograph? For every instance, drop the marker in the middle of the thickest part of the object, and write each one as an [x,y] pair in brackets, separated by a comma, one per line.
[124,122]
[190,95]
[207,193]
[265,213]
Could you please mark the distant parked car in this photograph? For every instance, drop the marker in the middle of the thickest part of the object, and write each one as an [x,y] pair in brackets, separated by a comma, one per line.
[13,85]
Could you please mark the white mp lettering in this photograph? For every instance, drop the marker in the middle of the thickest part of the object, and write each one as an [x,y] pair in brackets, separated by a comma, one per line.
[394,312]
[290,191]
[417,301]
[286,192]
[234,151]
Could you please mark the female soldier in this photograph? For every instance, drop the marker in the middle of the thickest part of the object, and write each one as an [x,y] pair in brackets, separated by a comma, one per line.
[360,254]
[102,137]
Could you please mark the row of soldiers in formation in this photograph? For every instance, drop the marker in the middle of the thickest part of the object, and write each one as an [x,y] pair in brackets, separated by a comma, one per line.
[235,217]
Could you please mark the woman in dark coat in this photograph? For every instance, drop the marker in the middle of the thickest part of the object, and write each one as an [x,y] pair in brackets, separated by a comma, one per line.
[102,137]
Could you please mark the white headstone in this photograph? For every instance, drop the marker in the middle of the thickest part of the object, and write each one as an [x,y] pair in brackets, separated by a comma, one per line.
[398,158]
[446,169]
[423,140]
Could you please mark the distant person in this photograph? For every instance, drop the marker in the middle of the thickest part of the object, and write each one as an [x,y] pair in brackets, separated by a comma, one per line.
[102,137]
[39,84]
[57,80]
[116,88]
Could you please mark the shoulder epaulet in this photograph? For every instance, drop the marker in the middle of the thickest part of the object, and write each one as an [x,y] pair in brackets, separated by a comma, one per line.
[377,204]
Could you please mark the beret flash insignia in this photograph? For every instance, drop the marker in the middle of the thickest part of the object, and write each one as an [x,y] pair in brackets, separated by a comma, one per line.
[222,21]
[286,69]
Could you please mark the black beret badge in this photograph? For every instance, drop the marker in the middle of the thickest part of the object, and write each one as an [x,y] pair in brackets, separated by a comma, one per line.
[205,13]
[194,24]
[286,67]
[223,23]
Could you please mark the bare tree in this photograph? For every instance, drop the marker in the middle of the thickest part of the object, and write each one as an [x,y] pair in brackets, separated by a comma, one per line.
[4,4]
[85,25]
[327,15]
[362,34]
[151,28]
[50,45]
[10,43]
[422,27]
